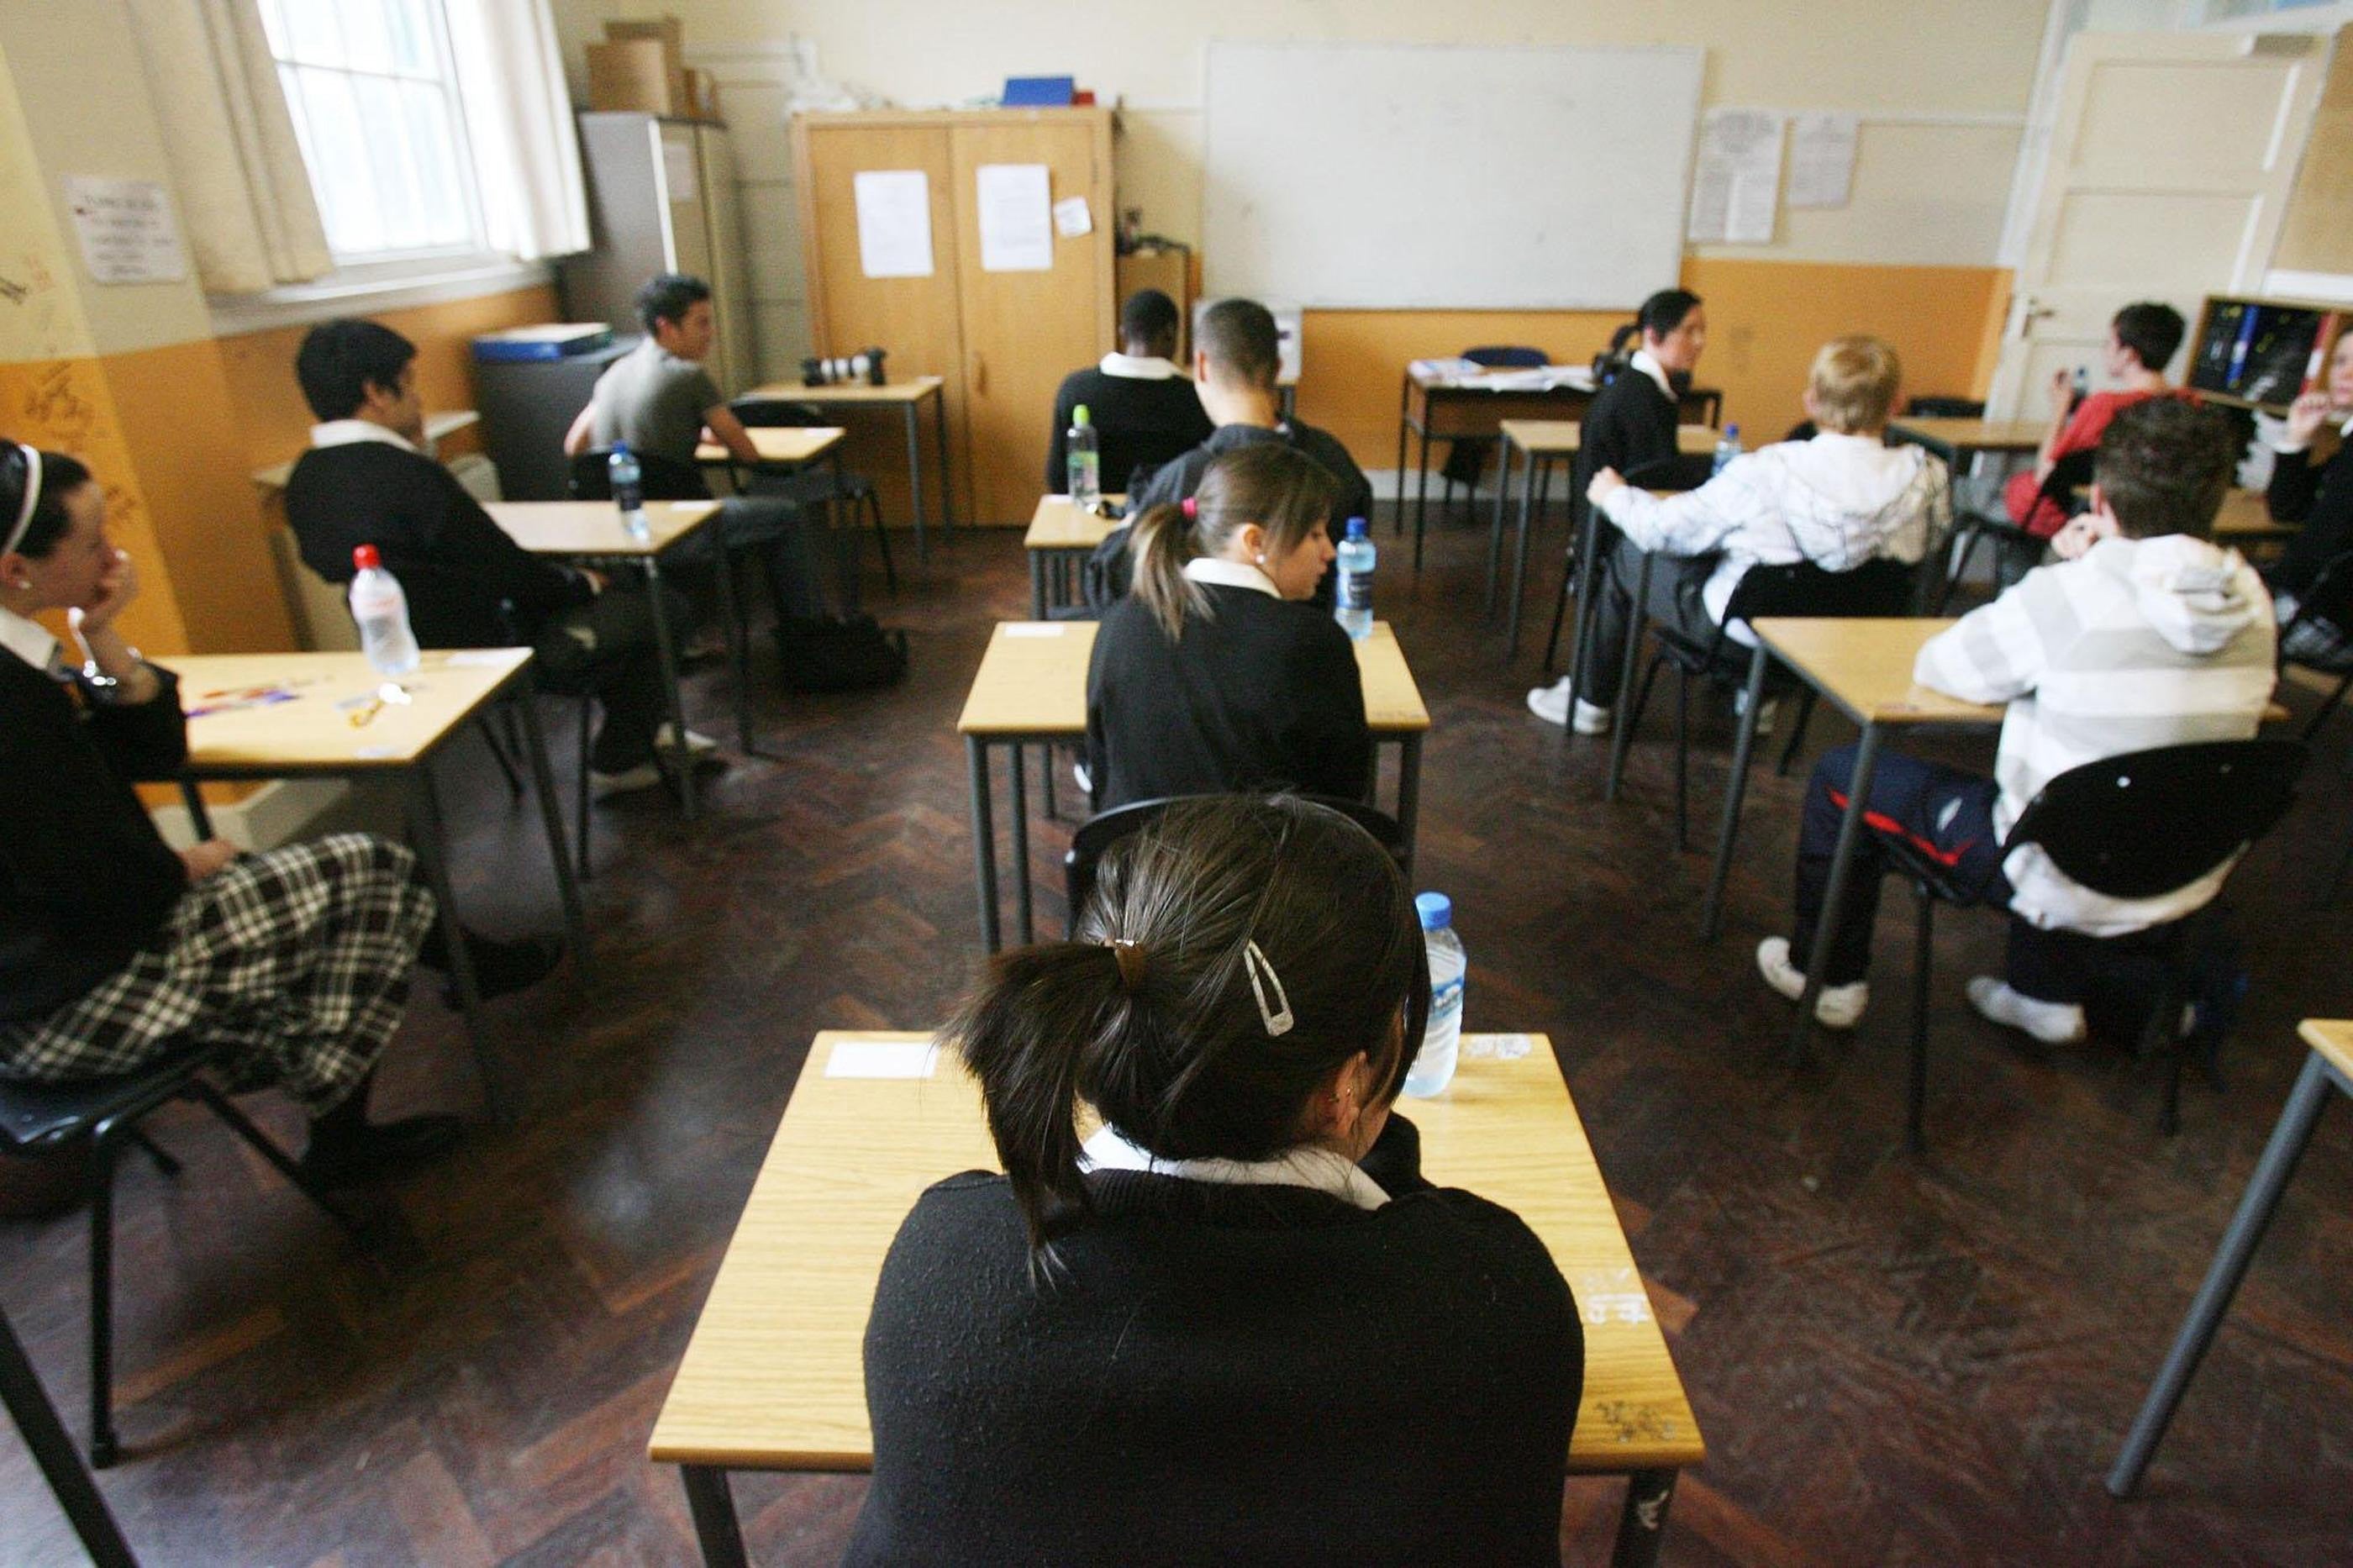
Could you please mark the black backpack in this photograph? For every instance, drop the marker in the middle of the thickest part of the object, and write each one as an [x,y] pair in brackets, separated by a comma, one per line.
[839,653]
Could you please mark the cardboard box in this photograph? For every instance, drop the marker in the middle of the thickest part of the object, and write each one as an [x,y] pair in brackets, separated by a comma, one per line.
[670,33]
[630,74]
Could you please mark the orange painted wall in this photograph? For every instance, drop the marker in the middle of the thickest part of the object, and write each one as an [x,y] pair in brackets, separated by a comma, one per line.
[1765,320]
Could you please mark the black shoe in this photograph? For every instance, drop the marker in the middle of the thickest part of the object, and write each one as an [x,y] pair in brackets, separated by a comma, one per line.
[378,1150]
[499,966]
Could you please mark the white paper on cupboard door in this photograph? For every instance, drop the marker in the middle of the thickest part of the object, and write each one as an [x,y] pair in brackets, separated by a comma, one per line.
[894,222]
[1017,217]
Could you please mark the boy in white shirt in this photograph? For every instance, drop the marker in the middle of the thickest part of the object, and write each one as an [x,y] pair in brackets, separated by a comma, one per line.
[2151,635]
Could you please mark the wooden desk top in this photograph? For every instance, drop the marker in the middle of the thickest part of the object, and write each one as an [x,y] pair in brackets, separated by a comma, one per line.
[1033,681]
[2246,514]
[772,1377]
[1865,667]
[2333,1039]
[778,444]
[914,389]
[1554,437]
[436,425]
[311,730]
[1058,525]
[593,527]
[1978,435]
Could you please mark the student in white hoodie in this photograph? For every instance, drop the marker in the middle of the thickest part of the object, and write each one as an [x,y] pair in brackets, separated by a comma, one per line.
[1839,501]
[2150,636]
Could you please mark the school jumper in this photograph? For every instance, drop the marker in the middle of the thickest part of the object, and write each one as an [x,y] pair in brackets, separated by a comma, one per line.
[2022,495]
[2317,492]
[1261,695]
[110,957]
[1270,1364]
[1145,414]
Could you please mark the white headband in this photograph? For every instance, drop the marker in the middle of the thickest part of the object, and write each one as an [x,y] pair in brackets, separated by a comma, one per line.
[32,498]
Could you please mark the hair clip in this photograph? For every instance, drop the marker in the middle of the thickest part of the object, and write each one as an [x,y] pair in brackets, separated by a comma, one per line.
[1190,508]
[1130,955]
[1278,1020]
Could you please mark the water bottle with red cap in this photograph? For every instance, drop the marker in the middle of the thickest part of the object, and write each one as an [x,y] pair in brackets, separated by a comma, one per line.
[381,610]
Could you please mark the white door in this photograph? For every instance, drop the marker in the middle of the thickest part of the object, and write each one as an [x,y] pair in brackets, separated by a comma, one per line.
[2171,163]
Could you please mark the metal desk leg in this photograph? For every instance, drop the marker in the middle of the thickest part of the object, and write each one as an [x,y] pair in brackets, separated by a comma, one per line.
[1621,739]
[1711,912]
[200,819]
[948,473]
[1037,584]
[1405,418]
[713,1505]
[984,837]
[1020,828]
[432,844]
[1866,759]
[2289,1136]
[1533,466]
[550,816]
[915,476]
[1409,797]
[666,647]
[1495,525]
[1421,488]
[44,1435]
[739,654]
[1642,1527]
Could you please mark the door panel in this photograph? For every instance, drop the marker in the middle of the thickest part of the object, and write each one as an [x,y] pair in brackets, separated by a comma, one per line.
[1026,331]
[2171,163]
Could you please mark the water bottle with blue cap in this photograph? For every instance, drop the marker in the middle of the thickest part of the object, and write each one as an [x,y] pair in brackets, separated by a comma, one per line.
[1441,1043]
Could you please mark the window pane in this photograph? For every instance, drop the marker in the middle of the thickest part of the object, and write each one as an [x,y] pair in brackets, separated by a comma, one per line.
[367,42]
[398,181]
[436,144]
[273,23]
[348,200]
[312,34]
[412,37]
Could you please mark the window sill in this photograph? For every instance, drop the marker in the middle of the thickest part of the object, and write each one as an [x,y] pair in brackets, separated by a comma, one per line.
[364,290]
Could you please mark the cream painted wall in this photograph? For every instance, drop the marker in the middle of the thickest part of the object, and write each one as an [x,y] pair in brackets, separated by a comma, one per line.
[1948,83]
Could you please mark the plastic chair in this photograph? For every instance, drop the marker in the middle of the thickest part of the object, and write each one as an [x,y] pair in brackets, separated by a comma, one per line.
[2329,602]
[1097,835]
[1685,471]
[2129,826]
[45,1436]
[813,486]
[48,1118]
[662,478]
[1881,588]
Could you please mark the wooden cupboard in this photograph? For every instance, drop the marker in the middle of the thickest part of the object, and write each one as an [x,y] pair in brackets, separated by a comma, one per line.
[1001,340]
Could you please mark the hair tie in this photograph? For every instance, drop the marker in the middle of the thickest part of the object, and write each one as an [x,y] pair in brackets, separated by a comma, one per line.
[1190,508]
[1131,961]
[32,498]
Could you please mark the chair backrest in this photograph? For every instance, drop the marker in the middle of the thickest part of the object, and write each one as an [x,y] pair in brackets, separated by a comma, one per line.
[2330,597]
[1879,588]
[663,479]
[2145,823]
[2068,475]
[1507,356]
[1945,408]
[322,618]
[1683,471]
[778,414]
[1097,835]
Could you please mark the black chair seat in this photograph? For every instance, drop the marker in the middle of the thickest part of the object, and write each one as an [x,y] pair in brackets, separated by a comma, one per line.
[38,1117]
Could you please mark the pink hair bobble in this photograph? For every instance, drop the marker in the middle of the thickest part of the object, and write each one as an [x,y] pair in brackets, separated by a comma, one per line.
[1190,508]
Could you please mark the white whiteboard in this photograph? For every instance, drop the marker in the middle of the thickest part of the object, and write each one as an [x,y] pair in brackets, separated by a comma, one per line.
[1392,176]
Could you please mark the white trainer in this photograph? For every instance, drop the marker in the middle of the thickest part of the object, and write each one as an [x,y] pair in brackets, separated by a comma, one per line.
[603,787]
[1838,1007]
[2052,1023]
[1550,703]
[1591,719]
[697,742]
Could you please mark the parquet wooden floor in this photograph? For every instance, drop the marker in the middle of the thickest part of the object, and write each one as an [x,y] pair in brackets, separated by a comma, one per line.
[1896,1361]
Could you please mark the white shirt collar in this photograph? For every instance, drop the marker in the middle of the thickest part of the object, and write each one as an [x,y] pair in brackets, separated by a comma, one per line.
[344,432]
[1307,1165]
[1230,574]
[29,640]
[1648,365]
[1139,368]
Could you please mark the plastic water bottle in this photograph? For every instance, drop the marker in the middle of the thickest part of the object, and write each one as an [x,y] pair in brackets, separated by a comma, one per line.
[1433,1066]
[382,611]
[628,491]
[1727,446]
[2082,383]
[1354,608]
[1085,460]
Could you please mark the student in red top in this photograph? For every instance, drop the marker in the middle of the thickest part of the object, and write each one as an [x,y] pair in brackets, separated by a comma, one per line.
[2141,343]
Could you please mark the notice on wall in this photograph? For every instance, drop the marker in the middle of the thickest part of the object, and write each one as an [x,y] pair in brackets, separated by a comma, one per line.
[1017,217]
[894,222]
[1736,185]
[1822,159]
[127,231]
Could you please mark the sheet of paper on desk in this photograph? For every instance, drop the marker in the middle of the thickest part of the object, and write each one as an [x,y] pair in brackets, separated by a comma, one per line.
[1736,182]
[1017,219]
[912,1058]
[1822,159]
[1033,628]
[894,222]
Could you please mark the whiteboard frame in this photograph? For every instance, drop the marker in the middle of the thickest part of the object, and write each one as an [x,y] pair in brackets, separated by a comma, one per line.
[1678,111]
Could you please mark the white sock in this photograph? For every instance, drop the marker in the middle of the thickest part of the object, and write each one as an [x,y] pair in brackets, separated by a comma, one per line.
[2052,1023]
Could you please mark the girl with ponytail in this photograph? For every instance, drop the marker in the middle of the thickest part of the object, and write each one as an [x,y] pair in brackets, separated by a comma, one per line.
[1213,1312]
[1215,672]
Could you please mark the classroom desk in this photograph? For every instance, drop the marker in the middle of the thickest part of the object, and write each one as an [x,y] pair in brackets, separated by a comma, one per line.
[1031,690]
[1953,439]
[790,445]
[318,732]
[2245,518]
[2327,1065]
[1540,441]
[908,396]
[1060,538]
[591,530]
[773,1378]
[436,425]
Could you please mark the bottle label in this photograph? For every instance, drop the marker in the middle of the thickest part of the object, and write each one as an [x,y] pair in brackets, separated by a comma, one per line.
[1355,590]
[1444,995]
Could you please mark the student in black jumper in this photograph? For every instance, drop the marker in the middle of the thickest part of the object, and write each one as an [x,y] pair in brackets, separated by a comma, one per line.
[1236,1324]
[114,949]
[1630,426]
[2312,483]
[367,479]
[1236,360]
[1215,674]
[1144,411]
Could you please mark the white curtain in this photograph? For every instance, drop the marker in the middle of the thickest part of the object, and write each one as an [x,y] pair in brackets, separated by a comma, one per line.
[244,193]
[519,124]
